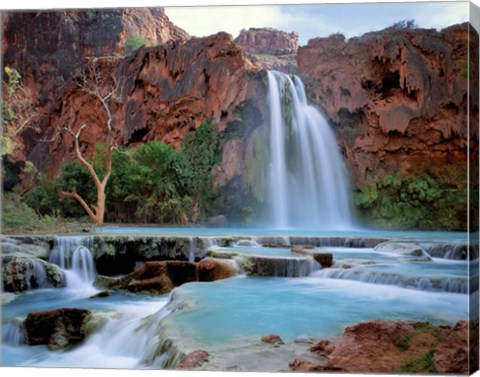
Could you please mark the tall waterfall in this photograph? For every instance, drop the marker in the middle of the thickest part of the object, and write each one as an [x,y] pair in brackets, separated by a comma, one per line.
[308,185]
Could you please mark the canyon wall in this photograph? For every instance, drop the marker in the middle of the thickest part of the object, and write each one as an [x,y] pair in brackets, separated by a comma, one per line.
[45,46]
[397,98]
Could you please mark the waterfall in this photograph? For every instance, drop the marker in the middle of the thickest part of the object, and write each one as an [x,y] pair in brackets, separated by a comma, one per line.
[308,185]
[191,250]
[73,255]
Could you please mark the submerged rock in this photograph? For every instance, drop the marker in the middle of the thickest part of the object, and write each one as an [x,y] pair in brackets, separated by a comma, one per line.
[272,338]
[58,328]
[193,360]
[402,248]
[104,293]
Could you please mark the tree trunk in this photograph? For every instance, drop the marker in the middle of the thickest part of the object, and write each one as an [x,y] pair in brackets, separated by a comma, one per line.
[100,210]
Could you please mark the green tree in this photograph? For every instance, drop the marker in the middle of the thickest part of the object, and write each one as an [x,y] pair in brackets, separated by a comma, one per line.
[102,88]
[200,150]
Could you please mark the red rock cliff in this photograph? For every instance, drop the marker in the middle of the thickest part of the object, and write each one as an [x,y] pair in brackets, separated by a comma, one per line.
[398,97]
[45,46]
[164,92]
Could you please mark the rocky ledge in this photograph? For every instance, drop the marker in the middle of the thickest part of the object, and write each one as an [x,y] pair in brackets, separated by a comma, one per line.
[393,347]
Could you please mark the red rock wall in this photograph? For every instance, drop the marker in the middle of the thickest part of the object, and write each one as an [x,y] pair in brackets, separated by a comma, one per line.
[397,98]
[164,92]
[45,46]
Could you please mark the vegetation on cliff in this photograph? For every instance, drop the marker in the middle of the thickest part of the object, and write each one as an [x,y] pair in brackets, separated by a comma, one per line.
[427,201]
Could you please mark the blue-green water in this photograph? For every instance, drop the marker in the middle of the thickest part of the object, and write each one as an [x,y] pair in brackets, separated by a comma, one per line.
[363,284]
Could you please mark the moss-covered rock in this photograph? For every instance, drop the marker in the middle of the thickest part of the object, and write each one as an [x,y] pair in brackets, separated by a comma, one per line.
[20,273]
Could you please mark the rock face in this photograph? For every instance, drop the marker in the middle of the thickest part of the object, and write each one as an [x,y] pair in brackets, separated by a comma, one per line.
[163,93]
[57,328]
[162,277]
[393,347]
[270,48]
[397,97]
[20,273]
[268,41]
[44,47]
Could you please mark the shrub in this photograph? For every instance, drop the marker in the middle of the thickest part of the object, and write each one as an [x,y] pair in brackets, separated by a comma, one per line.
[133,43]
[420,202]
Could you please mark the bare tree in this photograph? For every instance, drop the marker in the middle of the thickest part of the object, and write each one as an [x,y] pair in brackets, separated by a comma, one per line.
[102,88]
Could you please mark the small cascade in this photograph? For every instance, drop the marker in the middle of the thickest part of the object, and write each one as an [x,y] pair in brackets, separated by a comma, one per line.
[308,185]
[12,333]
[191,250]
[40,274]
[446,284]
[453,251]
[247,243]
[73,255]
[256,265]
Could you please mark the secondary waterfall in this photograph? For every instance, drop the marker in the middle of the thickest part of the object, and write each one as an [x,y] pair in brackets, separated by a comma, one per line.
[308,185]
[72,254]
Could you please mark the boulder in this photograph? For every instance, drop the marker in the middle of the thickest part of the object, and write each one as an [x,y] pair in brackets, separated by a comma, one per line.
[21,273]
[58,328]
[323,259]
[272,338]
[209,269]
[322,347]
[193,360]
[158,277]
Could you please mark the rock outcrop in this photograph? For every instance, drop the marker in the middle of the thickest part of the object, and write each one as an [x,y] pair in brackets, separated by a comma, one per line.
[397,97]
[163,93]
[20,273]
[58,328]
[162,277]
[193,360]
[45,46]
[393,347]
[270,48]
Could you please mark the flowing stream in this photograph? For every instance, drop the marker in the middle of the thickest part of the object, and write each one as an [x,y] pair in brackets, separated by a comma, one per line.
[228,317]
[308,184]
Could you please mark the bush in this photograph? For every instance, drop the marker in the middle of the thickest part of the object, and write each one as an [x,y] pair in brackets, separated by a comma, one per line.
[133,43]
[16,215]
[420,202]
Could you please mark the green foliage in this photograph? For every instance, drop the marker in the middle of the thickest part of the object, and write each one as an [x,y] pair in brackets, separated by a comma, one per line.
[9,86]
[420,202]
[419,364]
[154,183]
[16,215]
[199,151]
[133,43]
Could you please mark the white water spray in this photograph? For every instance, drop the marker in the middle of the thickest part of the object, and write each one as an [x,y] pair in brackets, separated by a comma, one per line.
[73,255]
[308,185]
